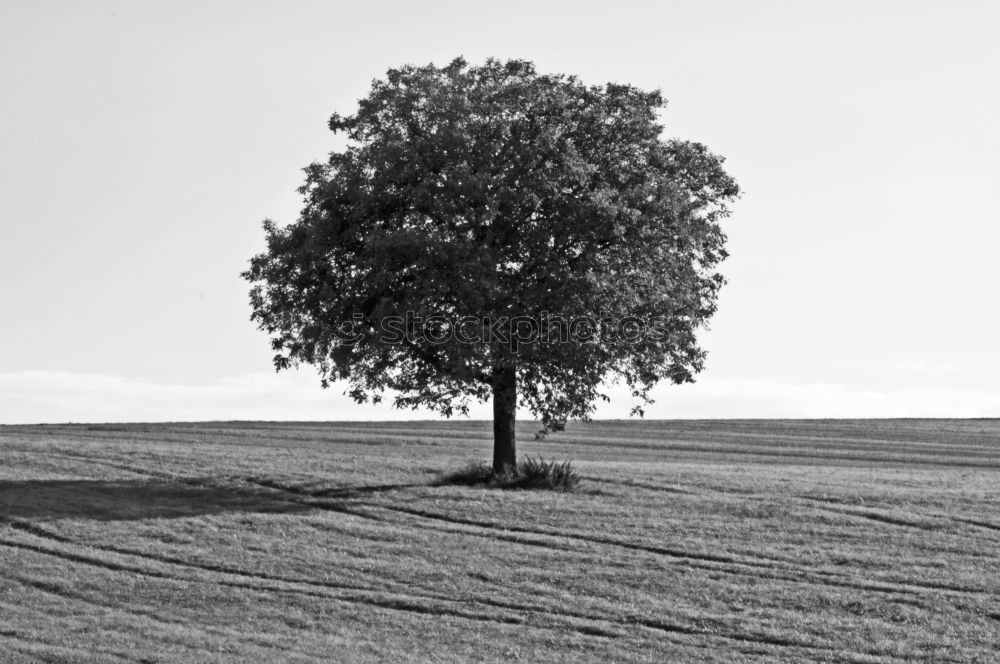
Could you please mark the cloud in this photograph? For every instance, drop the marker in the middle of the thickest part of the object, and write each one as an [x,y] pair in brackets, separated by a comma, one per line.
[770,399]
[52,396]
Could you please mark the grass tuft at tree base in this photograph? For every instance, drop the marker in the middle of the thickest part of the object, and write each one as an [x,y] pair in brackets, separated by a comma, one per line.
[531,473]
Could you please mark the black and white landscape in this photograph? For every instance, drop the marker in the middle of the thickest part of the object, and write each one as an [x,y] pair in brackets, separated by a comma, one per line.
[552,332]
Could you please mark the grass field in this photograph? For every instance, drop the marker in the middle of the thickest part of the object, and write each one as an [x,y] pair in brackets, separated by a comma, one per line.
[726,541]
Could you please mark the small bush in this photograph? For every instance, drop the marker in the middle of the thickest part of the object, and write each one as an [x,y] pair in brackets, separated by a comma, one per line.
[530,474]
[541,474]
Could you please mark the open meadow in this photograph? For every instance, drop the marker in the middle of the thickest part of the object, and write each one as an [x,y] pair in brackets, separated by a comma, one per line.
[687,541]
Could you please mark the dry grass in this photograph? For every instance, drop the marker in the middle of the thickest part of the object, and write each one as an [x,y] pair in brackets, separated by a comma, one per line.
[532,473]
[776,541]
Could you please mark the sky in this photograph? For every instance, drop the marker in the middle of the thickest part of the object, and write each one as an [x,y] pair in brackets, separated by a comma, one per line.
[144,142]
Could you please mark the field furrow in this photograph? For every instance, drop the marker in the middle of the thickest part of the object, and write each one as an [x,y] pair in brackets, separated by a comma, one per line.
[827,541]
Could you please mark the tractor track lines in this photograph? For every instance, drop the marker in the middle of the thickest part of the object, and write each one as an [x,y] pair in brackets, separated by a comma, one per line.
[901,521]
[348,592]
[170,560]
[23,647]
[778,569]
[869,514]
[782,572]
[640,485]
[672,553]
[29,647]
[351,501]
[136,470]
[66,593]
[45,534]
[384,599]
[809,502]
[529,615]
[978,524]
[86,560]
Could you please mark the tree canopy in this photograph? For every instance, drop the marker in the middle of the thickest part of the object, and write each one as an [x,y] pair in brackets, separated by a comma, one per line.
[495,193]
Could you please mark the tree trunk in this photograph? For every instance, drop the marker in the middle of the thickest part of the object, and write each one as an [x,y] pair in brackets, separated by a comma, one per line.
[504,411]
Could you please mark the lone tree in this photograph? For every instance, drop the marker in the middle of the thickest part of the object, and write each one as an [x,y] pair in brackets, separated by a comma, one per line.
[475,210]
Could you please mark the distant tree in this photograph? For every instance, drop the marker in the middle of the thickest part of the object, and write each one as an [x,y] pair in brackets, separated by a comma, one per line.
[473,197]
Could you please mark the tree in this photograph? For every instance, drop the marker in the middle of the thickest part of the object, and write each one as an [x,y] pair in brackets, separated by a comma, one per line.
[475,210]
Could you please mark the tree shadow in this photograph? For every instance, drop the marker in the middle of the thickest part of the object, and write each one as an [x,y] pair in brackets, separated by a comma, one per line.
[127,500]
[345,492]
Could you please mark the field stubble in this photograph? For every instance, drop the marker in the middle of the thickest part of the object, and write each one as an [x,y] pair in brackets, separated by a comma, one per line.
[688,541]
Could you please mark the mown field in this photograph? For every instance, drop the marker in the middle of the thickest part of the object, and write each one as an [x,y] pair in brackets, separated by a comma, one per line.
[688,541]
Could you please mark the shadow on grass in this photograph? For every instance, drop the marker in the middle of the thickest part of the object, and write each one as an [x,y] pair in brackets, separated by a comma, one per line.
[345,492]
[126,500]
[474,474]
[153,498]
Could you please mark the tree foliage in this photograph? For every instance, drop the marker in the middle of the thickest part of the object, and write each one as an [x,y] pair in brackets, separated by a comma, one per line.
[494,191]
